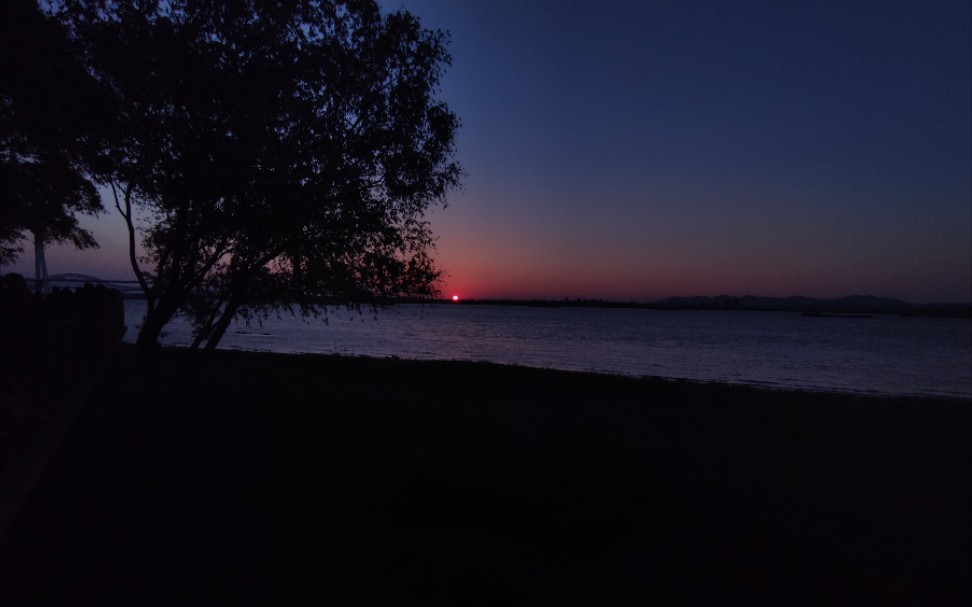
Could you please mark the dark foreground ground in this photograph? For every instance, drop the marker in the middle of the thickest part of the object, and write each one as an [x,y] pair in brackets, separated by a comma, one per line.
[330,481]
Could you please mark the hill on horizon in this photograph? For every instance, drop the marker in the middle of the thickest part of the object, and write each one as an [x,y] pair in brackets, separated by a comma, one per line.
[796,303]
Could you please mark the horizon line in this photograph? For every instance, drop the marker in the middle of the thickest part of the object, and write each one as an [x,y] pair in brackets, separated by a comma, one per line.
[604,299]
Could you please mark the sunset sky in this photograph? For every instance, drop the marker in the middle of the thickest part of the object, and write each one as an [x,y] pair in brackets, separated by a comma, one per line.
[639,150]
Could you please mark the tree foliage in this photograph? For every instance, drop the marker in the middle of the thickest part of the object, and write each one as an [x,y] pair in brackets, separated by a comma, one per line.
[47,117]
[284,153]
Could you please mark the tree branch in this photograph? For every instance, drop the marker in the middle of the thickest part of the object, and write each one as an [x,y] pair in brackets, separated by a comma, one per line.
[126,213]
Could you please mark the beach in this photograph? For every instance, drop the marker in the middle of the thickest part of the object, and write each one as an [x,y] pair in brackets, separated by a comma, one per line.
[300,479]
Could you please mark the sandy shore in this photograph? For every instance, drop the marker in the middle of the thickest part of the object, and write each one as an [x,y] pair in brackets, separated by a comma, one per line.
[325,480]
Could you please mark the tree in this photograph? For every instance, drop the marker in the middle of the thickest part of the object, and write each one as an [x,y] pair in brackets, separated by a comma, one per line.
[284,153]
[42,133]
[42,193]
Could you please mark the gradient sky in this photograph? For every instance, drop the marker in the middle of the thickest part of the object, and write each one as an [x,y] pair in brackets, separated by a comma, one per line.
[639,150]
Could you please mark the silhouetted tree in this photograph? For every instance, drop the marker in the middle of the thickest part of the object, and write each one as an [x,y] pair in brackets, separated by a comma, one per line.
[283,153]
[43,130]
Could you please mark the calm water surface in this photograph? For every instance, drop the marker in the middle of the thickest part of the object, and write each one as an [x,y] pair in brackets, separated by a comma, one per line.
[889,355]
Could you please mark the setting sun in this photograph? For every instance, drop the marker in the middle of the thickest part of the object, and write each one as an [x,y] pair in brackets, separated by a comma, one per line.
[455,298]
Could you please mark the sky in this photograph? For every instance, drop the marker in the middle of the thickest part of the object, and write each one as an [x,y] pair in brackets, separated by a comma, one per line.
[632,150]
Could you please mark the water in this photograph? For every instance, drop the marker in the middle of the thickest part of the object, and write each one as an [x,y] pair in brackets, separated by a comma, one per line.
[887,355]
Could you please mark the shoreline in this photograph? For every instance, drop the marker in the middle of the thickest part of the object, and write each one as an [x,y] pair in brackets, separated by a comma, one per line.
[758,385]
[323,478]
[895,357]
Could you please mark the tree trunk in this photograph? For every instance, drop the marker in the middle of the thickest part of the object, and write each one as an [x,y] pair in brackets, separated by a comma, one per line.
[152,325]
[40,263]
[224,322]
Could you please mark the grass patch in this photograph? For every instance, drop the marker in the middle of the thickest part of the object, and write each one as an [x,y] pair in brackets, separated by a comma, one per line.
[324,479]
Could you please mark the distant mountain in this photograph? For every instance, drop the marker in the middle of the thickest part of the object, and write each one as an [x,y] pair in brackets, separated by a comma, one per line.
[853,303]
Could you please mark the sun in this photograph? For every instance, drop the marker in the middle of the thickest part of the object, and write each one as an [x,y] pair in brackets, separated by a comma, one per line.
[455,298]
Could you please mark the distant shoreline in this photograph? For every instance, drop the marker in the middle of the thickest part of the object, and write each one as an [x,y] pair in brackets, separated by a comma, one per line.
[865,304]
[846,305]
